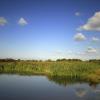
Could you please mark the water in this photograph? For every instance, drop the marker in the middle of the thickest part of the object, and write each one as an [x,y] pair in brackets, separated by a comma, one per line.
[16,87]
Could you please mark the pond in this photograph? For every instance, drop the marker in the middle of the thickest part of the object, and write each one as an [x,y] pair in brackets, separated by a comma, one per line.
[20,87]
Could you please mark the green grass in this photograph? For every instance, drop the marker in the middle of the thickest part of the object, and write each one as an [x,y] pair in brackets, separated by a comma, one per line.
[85,70]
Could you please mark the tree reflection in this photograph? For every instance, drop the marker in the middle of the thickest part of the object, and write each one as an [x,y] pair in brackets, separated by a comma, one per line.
[68,80]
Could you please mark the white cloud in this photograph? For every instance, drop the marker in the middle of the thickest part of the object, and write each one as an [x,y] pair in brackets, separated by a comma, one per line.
[91,50]
[77,14]
[93,23]
[95,39]
[3,21]
[79,37]
[22,22]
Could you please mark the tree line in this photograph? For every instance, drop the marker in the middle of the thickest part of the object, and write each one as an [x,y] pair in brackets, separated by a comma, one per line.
[49,60]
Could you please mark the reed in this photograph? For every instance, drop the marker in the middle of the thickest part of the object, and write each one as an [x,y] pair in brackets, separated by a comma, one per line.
[82,69]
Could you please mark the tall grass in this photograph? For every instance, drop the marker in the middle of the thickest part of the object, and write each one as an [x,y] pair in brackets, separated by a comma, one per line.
[55,68]
[81,69]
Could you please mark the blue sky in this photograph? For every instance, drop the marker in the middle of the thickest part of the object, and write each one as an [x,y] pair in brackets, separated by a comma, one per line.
[43,29]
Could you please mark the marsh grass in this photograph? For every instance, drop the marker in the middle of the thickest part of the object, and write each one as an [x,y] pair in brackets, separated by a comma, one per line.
[83,69]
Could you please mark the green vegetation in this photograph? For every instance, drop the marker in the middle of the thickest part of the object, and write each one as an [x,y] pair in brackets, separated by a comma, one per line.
[88,70]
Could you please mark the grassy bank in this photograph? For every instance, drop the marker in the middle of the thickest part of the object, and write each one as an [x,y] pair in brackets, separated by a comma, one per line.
[86,70]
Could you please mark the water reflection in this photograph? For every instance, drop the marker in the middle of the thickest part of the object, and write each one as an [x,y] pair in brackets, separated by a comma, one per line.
[20,87]
[66,80]
[82,88]
[80,92]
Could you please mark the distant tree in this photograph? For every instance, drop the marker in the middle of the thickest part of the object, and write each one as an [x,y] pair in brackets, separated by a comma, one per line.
[18,60]
[94,60]
[49,60]
[7,60]
[68,59]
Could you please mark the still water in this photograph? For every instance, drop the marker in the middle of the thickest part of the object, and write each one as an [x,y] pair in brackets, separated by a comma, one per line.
[16,87]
